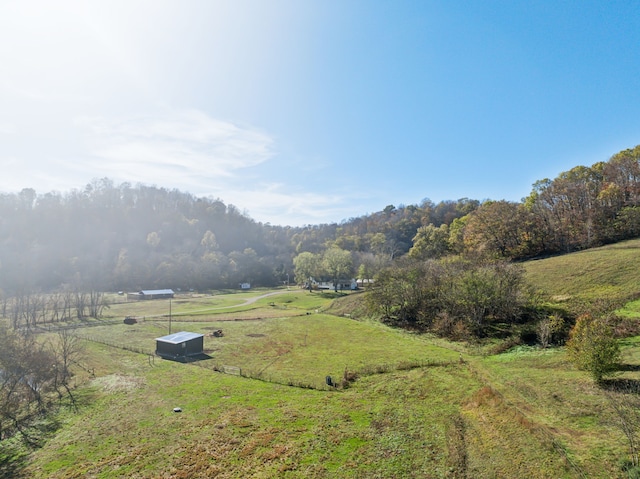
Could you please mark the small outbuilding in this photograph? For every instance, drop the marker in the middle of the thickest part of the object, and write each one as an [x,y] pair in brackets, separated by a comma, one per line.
[151,294]
[180,345]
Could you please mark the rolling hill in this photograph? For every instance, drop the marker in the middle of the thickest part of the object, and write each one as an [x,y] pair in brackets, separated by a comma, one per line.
[406,405]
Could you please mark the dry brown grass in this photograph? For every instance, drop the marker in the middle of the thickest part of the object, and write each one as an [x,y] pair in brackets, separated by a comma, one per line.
[113,383]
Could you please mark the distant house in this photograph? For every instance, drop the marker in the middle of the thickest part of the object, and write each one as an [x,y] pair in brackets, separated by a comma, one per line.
[245,285]
[151,294]
[342,284]
[180,345]
[364,282]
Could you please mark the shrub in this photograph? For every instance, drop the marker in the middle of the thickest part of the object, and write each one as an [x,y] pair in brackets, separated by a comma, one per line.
[348,377]
[593,348]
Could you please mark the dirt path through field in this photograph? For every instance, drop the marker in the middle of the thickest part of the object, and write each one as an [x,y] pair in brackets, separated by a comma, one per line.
[253,300]
[245,303]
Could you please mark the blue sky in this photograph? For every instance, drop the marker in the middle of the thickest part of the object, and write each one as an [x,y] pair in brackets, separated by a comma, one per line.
[305,112]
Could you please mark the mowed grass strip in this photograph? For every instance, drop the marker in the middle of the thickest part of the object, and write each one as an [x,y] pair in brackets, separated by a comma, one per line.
[560,405]
[631,310]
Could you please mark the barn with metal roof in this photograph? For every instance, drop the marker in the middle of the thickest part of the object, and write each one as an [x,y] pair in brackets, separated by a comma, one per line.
[152,294]
[180,345]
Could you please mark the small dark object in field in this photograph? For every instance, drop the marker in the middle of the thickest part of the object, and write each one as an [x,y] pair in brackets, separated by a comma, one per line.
[130,320]
[330,382]
[177,409]
[217,333]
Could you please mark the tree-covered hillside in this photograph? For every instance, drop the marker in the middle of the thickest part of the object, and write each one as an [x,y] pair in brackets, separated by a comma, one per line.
[112,237]
[124,237]
[117,237]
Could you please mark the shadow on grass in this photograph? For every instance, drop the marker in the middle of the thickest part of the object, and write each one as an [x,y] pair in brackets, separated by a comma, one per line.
[629,367]
[15,450]
[326,293]
[187,359]
[13,459]
[621,385]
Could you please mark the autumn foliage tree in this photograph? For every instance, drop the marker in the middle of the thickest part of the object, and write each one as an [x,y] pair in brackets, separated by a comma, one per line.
[504,229]
[430,242]
[593,348]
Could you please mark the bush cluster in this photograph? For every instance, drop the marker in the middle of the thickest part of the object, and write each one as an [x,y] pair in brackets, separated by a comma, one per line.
[453,297]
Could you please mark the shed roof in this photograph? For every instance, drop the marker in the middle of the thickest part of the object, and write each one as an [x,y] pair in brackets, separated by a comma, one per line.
[156,291]
[181,337]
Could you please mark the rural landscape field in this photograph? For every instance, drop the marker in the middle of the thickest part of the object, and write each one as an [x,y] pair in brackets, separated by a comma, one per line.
[402,404]
[246,239]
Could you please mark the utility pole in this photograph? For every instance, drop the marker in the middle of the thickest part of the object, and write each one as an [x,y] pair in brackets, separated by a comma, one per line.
[169,316]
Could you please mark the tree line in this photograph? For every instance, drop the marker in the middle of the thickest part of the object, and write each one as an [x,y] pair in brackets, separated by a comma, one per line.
[27,310]
[581,208]
[109,237]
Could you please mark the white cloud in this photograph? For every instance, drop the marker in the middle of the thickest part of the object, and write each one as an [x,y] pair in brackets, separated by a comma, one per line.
[194,152]
[21,174]
[187,150]
[283,204]
[92,90]
[7,129]
[185,147]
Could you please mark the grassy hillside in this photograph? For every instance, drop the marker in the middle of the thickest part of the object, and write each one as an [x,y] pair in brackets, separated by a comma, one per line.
[610,273]
[408,405]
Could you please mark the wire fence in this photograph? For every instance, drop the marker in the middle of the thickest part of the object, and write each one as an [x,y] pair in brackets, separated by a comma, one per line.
[326,383]
[117,345]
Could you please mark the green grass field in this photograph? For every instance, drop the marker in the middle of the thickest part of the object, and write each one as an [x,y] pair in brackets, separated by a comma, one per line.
[610,273]
[435,421]
[414,406]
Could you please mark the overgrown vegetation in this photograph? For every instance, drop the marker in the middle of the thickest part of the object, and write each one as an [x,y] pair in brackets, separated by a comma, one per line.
[33,375]
[455,298]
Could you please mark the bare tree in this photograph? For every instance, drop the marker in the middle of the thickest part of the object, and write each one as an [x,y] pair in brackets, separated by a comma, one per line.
[27,377]
[53,305]
[547,328]
[66,349]
[97,303]
[4,302]
[27,309]
[80,299]
[67,298]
